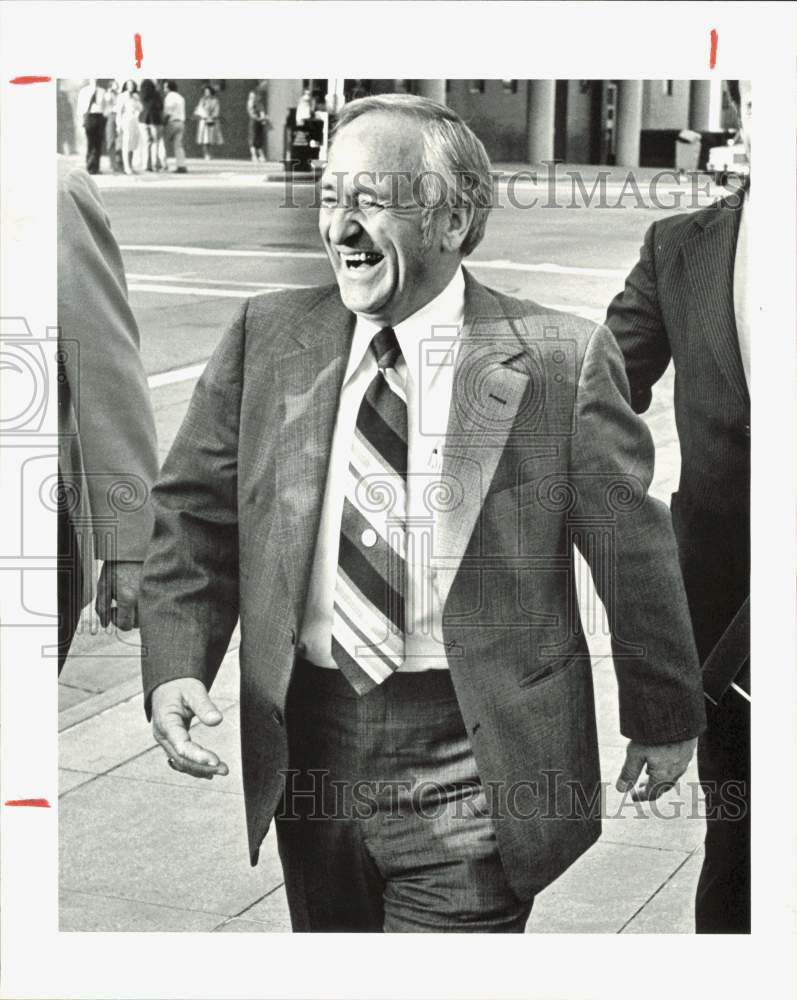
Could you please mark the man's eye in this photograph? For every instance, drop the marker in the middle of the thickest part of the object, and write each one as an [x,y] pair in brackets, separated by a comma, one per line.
[367,203]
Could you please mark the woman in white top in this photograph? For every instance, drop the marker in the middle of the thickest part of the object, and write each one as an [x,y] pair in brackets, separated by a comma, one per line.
[128,108]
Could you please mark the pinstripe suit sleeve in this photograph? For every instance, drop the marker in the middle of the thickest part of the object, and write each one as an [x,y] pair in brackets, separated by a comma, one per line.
[189,594]
[635,319]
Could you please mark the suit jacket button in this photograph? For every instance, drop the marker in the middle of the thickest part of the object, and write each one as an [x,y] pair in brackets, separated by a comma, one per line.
[276,715]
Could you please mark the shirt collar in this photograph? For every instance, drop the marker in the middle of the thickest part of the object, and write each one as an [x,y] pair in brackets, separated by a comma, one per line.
[446,310]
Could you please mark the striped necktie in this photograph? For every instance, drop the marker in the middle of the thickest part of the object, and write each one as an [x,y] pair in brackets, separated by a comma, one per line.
[368,628]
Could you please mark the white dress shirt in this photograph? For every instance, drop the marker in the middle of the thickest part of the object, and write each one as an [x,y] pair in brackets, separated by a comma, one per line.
[86,106]
[741,288]
[174,106]
[429,341]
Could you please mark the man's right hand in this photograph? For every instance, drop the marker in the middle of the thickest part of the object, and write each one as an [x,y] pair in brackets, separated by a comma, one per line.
[174,704]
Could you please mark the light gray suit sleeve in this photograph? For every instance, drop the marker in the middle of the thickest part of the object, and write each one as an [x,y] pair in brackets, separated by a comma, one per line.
[189,592]
[108,387]
[637,574]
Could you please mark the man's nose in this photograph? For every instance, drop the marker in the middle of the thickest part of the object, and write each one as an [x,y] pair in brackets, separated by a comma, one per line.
[344,224]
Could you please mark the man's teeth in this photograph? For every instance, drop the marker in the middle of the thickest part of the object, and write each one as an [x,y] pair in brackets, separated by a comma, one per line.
[365,257]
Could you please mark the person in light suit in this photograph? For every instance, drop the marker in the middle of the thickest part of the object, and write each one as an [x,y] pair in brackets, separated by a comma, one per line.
[107,457]
[687,299]
[385,479]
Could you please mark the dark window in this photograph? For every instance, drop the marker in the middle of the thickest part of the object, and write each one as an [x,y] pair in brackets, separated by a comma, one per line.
[476,86]
[510,86]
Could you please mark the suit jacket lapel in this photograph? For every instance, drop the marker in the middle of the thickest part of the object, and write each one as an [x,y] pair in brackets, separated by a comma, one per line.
[709,260]
[311,378]
[486,396]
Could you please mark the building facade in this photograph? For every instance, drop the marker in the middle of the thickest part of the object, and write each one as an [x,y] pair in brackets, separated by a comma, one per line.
[625,122]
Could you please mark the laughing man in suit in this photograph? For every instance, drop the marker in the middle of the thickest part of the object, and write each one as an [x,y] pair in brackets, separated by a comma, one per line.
[687,300]
[385,479]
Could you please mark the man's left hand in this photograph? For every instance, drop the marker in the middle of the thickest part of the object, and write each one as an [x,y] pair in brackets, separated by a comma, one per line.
[666,762]
[119,581]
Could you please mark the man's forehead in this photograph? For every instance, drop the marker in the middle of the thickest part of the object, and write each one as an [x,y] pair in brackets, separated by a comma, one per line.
[377,141]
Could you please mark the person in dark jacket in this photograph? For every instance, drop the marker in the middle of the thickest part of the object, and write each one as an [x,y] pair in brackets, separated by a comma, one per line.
[687,300]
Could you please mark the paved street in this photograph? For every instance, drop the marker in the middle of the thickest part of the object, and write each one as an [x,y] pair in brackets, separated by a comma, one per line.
[145,848]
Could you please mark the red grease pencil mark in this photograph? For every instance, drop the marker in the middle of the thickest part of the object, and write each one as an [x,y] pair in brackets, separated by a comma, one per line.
[31,79]
[37,803]
[139,50]
[712,58]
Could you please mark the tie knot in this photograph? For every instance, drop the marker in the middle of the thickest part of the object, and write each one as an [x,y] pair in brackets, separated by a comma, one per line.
[386,347]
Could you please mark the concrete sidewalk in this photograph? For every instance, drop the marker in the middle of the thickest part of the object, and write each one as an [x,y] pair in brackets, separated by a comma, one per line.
[145,848]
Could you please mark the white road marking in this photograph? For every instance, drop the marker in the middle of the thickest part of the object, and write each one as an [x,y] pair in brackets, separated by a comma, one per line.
[216,252]
[493,265]
[198,279]
[182,276]
[547,268]
[176,375]
[221,293]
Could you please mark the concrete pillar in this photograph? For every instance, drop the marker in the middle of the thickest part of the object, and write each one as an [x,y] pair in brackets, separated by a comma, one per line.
[335,98]
[282,95]
[699,104]
[435,90]
[629,122]
[705,105]
[540,120]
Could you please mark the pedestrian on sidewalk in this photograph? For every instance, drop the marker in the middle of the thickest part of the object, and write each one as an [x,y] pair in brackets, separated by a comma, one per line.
[208,115]
[151,118]
[107,457]
[418,720]
[256,105]
[174,126]
[687,300]
[91,109]
[128,109]
[163,90]
[112,137]
[305,107]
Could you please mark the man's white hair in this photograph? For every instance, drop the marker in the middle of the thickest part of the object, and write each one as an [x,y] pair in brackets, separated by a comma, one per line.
[455,168]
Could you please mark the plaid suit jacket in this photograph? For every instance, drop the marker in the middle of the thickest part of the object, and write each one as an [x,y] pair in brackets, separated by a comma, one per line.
[543,453]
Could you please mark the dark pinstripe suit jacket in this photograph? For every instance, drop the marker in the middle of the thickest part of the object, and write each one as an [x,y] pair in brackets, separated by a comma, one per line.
[542,453]
[678,303]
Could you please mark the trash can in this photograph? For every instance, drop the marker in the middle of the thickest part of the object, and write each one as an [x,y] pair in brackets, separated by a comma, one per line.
[687,150]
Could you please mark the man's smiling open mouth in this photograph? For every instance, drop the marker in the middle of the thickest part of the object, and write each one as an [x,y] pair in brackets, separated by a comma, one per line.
[362,259]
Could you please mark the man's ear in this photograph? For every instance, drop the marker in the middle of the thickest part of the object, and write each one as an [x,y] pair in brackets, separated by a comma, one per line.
[456,227]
